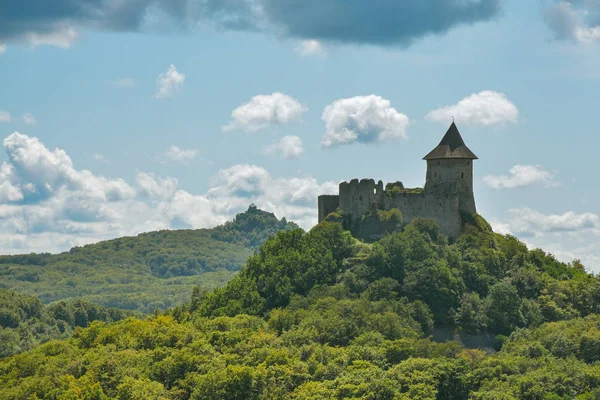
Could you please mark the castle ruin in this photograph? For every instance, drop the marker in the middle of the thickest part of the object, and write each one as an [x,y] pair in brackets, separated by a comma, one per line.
[446,196]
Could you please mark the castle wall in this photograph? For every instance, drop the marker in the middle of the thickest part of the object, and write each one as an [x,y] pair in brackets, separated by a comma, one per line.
[443,208]
[327,205]
[448,191]
[356,198]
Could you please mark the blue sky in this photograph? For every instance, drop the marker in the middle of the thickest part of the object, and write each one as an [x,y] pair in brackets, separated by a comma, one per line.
[137,100]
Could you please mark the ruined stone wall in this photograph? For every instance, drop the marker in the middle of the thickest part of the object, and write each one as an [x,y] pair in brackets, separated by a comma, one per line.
[443,208]
[448,191]
[327,205]
[356,198]
[440,202]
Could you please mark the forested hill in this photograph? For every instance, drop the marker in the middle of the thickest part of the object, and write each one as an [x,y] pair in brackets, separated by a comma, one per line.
[319,315]
[146,272]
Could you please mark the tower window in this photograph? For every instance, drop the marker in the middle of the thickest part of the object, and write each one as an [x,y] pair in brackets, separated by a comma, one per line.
[374,191]
[438,163]
[435,174]
[360,198]
[462,175]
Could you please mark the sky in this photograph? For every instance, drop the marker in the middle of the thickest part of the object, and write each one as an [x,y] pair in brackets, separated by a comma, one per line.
[119,117]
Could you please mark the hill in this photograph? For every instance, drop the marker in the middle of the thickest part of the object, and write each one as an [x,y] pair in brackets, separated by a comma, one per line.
[154,270]
[319,315]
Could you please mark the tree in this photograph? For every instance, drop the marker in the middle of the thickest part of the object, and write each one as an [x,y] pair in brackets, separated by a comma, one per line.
[504,310]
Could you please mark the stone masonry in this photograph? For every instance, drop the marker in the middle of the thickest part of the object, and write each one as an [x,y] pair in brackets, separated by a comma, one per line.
[447,193]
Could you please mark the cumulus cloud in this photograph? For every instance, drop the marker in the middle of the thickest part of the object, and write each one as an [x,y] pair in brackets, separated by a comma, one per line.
[29,119]
[40,173]
[288,147]
[2,48]
[568,236]
[151,186]
[529,222]
[576,20]
[485,108]
[180,155]
[365,119]
[264,110]
[4,116]
[295,198]
[380,22]
[169,83]
[310,47]
[46,204]
[521,176]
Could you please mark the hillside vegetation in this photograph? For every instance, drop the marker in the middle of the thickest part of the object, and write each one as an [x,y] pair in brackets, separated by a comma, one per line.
[319,315]
[25,322]
[155,270]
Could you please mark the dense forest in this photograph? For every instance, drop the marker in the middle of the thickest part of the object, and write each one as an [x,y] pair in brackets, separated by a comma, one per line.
[320,315]
[25,322]
[156,270]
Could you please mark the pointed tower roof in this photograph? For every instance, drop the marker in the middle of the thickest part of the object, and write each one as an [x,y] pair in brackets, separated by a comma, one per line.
[451,146]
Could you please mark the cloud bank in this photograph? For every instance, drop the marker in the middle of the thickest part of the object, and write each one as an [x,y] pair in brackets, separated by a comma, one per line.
[379,22]
[47,204]
[568,236]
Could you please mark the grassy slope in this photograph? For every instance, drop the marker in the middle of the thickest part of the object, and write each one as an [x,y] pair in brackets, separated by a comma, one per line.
[146,272]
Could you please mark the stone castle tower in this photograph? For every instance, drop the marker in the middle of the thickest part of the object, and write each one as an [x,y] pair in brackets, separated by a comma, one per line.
[446,196]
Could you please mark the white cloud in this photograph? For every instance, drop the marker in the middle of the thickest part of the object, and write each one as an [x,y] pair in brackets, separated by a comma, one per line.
[295,198]
[529,222]
[578,21]
[98,157]
[264,110]
[46,204]
[2,48]
[485,108]
[169,83]
[8,191]
[288,147]
[4,116]
[41,173]
[365,119]
[180,155]
[124,82]
[310,47]
[522,176]
[152,186]
[64,38]
[568,236]
[241,180]
[29,119]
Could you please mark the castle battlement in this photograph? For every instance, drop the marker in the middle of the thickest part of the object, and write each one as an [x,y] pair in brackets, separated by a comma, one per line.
[448,191]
